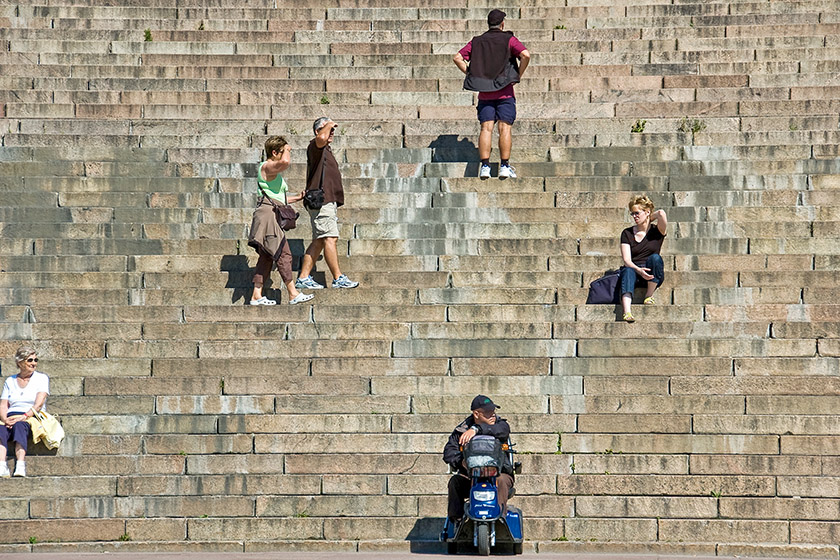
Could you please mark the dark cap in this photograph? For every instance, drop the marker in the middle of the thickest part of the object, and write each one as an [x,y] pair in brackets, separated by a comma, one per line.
[482,402]
[495,17]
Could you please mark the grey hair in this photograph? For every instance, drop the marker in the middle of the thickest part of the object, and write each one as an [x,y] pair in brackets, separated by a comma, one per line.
[319,123]
[24,352]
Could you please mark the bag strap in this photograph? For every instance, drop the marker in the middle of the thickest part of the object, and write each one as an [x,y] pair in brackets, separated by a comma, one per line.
[323,165]
[265,196]
[262,190]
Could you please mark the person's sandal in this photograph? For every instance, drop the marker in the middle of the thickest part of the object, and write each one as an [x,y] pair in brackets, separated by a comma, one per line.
[263,301]
[628,317]
[649,301]
[300,298]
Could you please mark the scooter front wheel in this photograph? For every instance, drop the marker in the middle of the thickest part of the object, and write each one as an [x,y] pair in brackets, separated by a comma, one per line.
[483,532]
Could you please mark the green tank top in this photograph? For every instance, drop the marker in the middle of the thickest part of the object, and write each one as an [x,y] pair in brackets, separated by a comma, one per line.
[275,189]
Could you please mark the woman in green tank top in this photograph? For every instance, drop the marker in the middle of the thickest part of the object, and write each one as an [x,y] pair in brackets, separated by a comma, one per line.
[266,237]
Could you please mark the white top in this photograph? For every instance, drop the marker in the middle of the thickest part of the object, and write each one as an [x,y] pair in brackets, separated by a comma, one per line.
[21,400]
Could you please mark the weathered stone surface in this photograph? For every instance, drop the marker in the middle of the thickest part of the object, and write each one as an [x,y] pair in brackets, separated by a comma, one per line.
[612,506]
[382,463]
[775,424]
[754,465]
[781,551]
[622,463]
[378,404]
[779,508]
[201,444]
[254,529]
[664,485]
[218,485]
[611,529]
[14,509]
[514,385]
[305,423]
[633,423]
[736,531]
[105,465]
[156,529]
[649,404]
[342,506]
[670,443]
[60,530]
[809,445]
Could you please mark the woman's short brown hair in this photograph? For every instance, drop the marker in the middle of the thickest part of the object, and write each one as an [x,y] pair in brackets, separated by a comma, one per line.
[274,144]
[643,201]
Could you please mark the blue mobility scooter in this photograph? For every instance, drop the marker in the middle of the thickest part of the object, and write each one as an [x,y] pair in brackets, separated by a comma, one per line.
[483,526]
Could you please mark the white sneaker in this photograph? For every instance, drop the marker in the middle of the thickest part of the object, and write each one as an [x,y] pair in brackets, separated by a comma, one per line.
[506,171]
[20,468]
[4,470]
[484,173]
[300,298]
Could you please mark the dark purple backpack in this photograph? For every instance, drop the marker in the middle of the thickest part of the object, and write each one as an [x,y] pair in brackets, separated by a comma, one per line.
[604,289]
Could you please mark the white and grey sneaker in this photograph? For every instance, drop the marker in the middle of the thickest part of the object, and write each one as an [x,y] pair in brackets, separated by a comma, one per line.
[484,172]
[506,171]
[307,283]
[4,470]
[344,282]
[20,469]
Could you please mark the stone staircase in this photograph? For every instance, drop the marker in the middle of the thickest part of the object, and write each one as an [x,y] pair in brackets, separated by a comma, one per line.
[130,137]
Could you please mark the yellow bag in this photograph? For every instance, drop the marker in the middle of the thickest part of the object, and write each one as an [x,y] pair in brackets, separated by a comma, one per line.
[46,426]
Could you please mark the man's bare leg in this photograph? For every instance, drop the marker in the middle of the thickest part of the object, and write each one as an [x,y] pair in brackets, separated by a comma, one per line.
[331,256]
[505,140]
[485,139]
[311,255]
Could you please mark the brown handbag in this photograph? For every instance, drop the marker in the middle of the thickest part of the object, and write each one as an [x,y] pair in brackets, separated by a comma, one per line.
[285,214]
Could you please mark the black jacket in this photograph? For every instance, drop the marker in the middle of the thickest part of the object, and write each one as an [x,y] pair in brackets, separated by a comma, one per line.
[452,454]
[491,66]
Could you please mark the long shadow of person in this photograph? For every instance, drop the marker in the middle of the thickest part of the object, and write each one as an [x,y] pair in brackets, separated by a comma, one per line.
[241,274]
[239,278]
[448,148]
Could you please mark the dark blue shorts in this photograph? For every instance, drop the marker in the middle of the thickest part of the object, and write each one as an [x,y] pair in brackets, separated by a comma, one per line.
[497,110]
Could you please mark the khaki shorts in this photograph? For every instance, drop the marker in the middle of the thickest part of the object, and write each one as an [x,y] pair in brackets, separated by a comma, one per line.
[324,221]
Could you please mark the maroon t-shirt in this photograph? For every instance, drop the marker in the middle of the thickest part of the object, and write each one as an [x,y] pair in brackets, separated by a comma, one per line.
[651,244]
[333,190]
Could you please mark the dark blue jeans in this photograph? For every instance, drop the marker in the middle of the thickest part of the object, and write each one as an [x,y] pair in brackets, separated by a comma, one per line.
[629,278]
[19,433]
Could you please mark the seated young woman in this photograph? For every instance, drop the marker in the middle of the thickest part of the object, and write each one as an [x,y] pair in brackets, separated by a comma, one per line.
[640,247]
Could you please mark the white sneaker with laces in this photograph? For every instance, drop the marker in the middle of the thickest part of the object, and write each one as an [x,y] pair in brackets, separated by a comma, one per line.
[20,468]
[506,171]
[484,173]
[4,470]
[344,282]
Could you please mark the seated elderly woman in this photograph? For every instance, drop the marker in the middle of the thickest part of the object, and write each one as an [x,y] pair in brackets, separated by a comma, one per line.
[640,247]
[23,395]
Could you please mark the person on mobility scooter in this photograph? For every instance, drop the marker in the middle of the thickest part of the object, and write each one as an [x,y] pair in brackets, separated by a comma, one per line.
[480,453]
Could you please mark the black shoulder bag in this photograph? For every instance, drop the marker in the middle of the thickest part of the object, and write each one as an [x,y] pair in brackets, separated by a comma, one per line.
[314,198]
